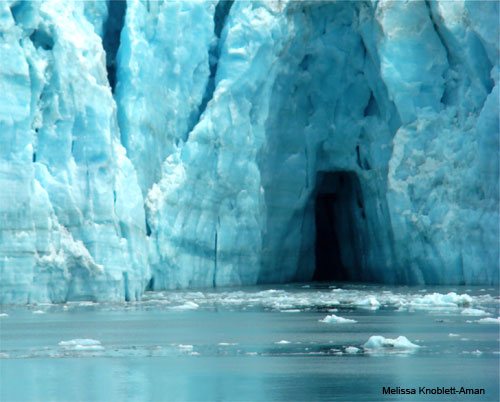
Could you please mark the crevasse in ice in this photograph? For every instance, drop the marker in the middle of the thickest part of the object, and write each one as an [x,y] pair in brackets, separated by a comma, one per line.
[176,144]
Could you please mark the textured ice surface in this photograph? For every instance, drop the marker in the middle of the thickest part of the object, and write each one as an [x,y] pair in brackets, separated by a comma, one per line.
[82,344]
[489,320]
[378,342]
[333,319]
[184,144]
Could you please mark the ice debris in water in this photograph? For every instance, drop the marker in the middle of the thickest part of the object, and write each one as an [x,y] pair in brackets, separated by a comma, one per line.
[81,344]
[474,311]
[351,349]
[489,320]
[186,306]
[378,342]
[4,315]
[437,299]
[370,302]
[333,319]
[282,342]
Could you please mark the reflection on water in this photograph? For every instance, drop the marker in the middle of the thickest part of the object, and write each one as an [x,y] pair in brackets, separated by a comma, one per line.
[257,343]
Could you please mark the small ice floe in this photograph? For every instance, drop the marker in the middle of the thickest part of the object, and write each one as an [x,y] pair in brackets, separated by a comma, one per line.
[474,311]
[333,319]
[369,302]
[3,315]
[189,305]
[439,300]
[4,355]
[186,348]
[87,304]
[81,344]
[489,320]
[282,342]
[38,312]
[227,343]
[291,310]
[352,349]
[379,342]
[476,352]
[452,335]
[333,310]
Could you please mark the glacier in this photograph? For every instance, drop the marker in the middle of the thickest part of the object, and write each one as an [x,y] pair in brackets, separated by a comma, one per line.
[150,145]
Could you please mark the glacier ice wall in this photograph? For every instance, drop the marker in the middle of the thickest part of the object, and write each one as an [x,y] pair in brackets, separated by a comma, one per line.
[153,145]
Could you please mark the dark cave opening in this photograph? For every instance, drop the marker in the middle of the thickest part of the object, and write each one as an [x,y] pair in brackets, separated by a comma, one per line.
[339,217]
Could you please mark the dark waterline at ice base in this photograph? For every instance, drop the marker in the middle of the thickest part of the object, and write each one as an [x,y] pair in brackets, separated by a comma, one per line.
[294,342]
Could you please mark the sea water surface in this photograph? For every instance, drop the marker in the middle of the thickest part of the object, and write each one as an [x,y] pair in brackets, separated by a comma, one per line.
[266,343]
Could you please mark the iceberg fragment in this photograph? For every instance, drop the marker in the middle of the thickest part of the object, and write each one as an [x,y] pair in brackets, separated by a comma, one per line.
[377,342]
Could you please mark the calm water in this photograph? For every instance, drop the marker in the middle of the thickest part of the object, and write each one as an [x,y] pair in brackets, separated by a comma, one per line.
[253,344]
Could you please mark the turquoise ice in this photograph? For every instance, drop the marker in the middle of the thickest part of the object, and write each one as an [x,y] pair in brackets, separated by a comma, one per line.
[153,145]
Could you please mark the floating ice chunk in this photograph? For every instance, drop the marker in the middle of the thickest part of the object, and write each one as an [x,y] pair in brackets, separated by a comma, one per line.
[185,347]
[283,342]
[81,344]
[4,315]
[477,352]
[377,342]
[227,343]
[189,305]
[351,349]
[333,319]
[489,320]
[370,302]
[293,310]
[474,311]
[437,299]
[452,335]
[38,312]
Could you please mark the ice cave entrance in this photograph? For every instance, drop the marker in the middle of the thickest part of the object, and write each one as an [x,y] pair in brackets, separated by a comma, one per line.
[340,227]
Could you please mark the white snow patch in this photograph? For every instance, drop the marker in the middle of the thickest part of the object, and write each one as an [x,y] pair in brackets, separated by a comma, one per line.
[333,319]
